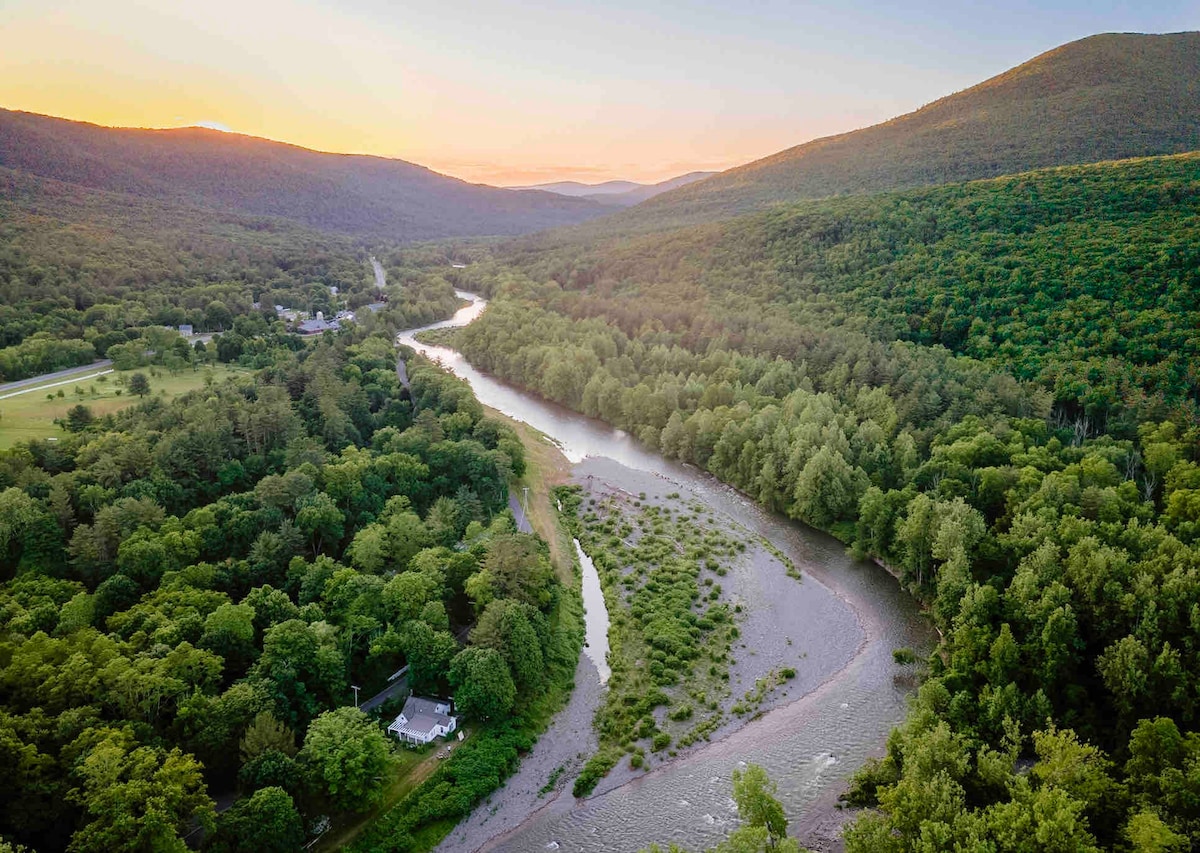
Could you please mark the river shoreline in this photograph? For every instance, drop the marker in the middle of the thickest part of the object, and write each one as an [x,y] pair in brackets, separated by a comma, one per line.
[847,696]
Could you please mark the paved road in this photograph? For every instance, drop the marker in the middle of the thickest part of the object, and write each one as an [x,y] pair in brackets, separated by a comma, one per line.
[380,275]
[400,685]
[514,504]
[58,374]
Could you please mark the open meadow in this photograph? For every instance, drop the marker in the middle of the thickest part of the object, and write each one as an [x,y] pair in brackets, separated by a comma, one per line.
[32,412]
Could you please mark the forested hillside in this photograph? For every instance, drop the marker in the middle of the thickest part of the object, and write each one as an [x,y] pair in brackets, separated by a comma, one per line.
[1102,98]
[82,270]
[1085,280]
[188,590]
[1038,487]
[229,173]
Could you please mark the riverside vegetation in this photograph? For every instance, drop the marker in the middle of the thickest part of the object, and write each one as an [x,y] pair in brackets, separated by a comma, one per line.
[989,387]
[189,588]
[671,629]
[764,825]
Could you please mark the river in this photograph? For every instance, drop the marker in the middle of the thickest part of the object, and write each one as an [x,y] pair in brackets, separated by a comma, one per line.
[854,613]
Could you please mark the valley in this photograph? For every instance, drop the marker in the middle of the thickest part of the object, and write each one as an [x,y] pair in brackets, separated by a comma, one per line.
[845,619]
[844,499]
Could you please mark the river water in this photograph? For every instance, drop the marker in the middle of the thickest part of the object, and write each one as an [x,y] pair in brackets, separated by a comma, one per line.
[595,616]
[808,746]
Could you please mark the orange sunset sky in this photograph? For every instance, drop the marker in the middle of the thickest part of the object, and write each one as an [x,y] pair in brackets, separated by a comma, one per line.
[510,93]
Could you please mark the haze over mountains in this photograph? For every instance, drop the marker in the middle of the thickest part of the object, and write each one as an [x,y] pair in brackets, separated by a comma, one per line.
[619,193]
[578,189]
[230,173]
[1105,97]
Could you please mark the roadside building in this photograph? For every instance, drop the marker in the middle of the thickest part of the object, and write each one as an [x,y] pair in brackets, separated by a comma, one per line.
[317,325]
[422,720]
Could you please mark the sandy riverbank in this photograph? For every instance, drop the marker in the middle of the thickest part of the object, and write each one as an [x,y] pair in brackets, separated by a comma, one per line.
[785,622]
[566,744]
[777,618]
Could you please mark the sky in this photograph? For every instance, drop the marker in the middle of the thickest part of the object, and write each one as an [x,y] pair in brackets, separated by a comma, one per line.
[512,92]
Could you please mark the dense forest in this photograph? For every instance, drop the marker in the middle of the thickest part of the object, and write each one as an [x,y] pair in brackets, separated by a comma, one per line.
[188,590]
[988,388]
[1033,476]
[1105,97]
[1081,279]
[82,270]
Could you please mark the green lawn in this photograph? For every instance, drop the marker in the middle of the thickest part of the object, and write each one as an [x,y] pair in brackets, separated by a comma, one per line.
[31,414]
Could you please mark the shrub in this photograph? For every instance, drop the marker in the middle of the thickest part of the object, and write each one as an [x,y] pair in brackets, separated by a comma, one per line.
[596,769]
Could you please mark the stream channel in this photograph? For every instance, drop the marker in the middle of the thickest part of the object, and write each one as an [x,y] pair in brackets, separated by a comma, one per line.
[849,696]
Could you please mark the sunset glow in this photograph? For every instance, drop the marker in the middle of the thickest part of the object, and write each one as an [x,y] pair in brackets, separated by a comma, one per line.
[502,93]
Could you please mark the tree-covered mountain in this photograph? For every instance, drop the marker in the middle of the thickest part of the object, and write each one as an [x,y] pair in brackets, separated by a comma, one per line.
[1081,278]
[1106,97]
[231,173]
[82,269]
[990,388]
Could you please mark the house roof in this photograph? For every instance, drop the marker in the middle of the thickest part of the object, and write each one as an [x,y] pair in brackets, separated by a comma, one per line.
[422,714]
[311,327]
[423,723]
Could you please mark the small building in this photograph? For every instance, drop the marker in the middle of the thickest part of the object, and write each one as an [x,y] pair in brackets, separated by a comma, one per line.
[186,330]
[317,325]
[423,719]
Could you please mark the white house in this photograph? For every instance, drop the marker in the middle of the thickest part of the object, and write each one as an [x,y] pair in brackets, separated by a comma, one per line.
[423,719]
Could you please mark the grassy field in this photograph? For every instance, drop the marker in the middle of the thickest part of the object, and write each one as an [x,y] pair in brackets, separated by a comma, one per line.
[31,413]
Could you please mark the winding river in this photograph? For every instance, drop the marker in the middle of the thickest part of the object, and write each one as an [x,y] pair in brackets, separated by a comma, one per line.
[854,615]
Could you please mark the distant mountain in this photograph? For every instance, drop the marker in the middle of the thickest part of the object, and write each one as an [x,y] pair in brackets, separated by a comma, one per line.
[581,190]
[1106,97]
[619,193]
[232,173]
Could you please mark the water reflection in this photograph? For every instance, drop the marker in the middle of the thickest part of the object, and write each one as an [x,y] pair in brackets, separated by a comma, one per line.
[806,745]
[595,617]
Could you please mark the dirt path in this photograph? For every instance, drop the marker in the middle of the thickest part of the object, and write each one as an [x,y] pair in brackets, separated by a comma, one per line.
[342,836]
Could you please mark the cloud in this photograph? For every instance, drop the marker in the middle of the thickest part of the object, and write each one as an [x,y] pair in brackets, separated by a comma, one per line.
[213,125]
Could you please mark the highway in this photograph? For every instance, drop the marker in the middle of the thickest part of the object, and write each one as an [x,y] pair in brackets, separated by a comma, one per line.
[103,364]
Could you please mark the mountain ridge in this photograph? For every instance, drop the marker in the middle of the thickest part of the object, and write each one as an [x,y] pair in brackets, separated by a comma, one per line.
[579,189]
[619,193]
[344,193]
[1105,97]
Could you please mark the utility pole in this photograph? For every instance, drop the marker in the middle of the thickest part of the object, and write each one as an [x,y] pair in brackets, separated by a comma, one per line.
[355,688]
[525,508]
